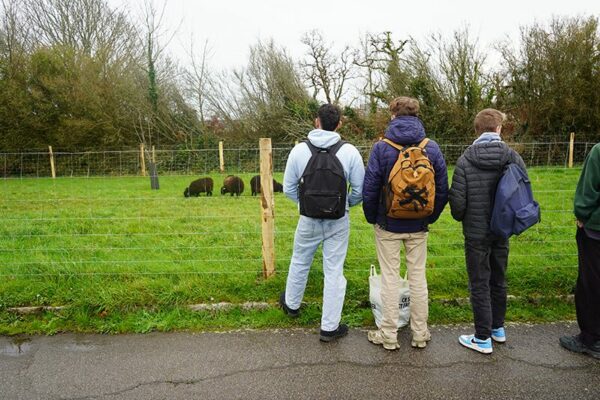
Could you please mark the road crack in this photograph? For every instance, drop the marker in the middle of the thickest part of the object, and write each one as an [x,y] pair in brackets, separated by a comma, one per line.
[181,382]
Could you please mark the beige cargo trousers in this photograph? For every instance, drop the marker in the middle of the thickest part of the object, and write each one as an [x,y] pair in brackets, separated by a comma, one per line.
[388,246]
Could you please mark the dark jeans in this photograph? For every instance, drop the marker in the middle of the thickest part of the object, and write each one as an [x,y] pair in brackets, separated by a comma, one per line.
[486,266]
[587,291]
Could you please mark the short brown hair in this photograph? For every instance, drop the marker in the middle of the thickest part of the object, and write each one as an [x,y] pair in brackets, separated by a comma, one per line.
[404,106]
[488,120]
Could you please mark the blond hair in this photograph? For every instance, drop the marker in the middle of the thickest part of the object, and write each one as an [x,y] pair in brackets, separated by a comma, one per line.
[488,120]
[404,106]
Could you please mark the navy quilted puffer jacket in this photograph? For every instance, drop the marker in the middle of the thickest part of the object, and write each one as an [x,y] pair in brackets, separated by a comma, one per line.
[402,130]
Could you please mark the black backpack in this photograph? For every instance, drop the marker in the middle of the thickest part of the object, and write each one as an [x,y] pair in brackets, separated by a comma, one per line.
[323,188]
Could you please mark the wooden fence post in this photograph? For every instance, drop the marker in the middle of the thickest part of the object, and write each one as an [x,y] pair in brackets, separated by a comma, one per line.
[571,148]
[221,157]
[52,168]
[142,160]
[268,207]
[153,154]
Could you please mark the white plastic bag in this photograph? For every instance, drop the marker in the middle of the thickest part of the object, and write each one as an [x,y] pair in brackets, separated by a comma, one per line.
[375,299]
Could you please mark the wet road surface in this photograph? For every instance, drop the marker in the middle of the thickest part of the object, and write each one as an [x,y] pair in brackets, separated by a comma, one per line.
[293,364]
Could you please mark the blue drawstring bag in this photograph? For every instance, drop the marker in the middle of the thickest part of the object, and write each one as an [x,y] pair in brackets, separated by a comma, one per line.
[514,209]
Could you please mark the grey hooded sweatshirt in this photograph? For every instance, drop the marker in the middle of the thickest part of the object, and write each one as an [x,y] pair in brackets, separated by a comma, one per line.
[349,156]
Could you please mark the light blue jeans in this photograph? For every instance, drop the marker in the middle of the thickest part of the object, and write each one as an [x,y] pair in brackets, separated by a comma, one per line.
[310,233]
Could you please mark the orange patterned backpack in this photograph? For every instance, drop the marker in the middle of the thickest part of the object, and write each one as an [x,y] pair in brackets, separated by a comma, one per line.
[410,191]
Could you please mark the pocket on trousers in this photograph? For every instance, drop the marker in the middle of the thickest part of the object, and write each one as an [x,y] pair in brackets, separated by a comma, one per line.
[306,227]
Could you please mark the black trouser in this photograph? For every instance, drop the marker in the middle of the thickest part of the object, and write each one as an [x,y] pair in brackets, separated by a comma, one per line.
[587,291]
[486,266]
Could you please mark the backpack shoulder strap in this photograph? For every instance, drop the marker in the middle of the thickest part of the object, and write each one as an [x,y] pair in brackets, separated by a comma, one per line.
[313,149]
[423,143]
[334,149]
[394,145]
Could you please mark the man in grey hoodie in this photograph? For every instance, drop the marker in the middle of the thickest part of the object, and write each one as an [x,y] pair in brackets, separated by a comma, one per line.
[471,197]
[311,232]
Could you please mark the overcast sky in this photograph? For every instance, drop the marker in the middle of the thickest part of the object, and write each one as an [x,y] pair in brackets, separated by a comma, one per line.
[231,26]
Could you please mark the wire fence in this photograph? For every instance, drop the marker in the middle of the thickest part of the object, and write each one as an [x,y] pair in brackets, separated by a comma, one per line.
[37,164]
[65,233]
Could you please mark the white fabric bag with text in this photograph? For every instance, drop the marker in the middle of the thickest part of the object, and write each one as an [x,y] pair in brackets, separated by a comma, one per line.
[375,299]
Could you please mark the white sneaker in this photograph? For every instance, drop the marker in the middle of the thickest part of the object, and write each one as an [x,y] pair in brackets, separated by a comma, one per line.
[498,335]
[471,342]
[378,337]
[420,343]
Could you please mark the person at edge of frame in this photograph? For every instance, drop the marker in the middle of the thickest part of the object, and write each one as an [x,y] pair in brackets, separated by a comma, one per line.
[405,128]
[332,233]
[474,182]
[587,289]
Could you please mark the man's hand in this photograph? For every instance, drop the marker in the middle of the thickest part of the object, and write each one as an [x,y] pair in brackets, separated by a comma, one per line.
[579,224]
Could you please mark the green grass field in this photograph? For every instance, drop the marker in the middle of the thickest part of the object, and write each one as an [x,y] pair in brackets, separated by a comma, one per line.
[124,258]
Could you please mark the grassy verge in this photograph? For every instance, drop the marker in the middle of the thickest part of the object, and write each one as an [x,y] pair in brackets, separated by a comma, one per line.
[127,259]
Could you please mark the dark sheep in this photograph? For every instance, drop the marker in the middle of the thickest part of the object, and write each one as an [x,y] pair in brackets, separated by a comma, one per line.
[202,185]
[233,184]
[255,185]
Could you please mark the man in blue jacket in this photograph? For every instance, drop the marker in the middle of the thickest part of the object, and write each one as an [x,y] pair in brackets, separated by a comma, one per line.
[390,233]
[311,232]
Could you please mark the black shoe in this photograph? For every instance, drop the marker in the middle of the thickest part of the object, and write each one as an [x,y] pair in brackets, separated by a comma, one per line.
[574,343]
[286,309]
[328,336]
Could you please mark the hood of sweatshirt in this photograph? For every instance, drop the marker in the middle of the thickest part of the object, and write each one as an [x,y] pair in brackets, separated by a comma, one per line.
[487,137]
[492,155]
[322,138]
[405,130]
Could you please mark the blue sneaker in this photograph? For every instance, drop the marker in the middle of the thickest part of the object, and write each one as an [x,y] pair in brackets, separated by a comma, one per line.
[482,346]
[498,335]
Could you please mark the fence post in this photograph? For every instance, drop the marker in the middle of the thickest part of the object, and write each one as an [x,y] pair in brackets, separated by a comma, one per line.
[571,145]
[268,205]
[221,157]
[142,160]
[52,169]
[154,185]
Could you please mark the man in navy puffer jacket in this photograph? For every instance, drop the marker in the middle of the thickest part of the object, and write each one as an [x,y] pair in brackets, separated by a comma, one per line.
[390,233]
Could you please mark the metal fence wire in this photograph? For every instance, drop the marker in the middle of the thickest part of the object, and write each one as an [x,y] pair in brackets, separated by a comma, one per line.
[241,160]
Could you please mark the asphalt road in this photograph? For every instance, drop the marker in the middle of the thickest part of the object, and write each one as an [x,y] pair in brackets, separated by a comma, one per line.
[294,365]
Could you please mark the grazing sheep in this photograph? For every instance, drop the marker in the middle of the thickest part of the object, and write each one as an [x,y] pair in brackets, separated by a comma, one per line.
[255,185]
[202,185]
[233,184]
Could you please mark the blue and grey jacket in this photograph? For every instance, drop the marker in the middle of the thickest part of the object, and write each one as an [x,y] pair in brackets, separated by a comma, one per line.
[402,130]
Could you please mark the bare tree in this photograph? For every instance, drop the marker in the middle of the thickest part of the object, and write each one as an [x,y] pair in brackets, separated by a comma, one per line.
[197,77]
[90,26]
[267,97]
[155,39]
[384,70]
[326,71]
[365,58]
[14,33]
